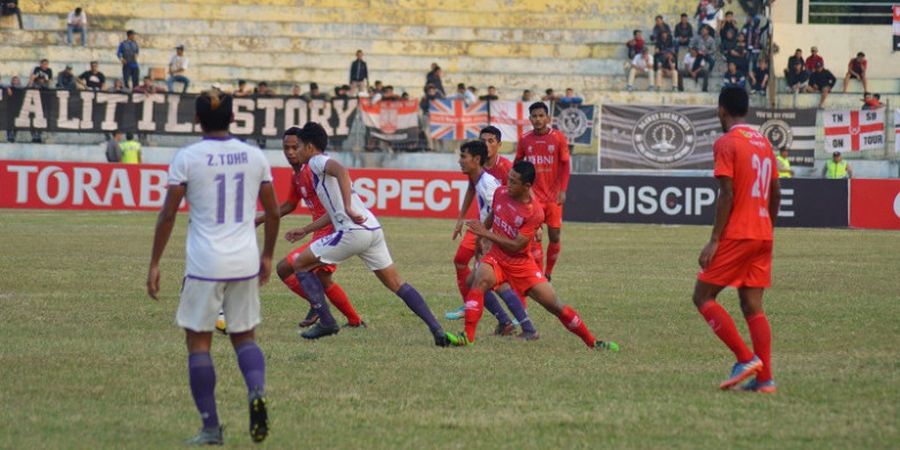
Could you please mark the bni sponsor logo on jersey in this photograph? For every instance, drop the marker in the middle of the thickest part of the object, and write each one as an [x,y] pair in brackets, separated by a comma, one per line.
[664,136]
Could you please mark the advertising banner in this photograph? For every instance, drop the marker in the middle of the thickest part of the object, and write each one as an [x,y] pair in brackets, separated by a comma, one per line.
[794,129]
[875,204]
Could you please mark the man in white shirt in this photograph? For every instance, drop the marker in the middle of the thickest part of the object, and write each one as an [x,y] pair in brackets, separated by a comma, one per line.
[221,178]
[641,64]
[694,66]
[76,21]
[178,66]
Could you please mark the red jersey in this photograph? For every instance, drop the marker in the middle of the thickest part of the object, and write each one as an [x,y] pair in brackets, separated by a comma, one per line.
[305,190]
[500,170]
[747,158]
[550,155]
[511,219]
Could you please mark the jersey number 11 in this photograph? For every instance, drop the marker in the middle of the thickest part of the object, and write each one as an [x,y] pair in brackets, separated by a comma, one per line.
[238,200]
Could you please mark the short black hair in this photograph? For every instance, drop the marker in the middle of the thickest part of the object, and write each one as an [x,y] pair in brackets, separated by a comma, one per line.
[635,32]
[129,136]
[476,148]
[213,108]
[461,86]
[313,133]
[313,85]
[735,101]
[684,15]
[658,17]
[78,10]
[490,129]
[525,169]
[292,131]
[129,32]
[538,105]
[861,54]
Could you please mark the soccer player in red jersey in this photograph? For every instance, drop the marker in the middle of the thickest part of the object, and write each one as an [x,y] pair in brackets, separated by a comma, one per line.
[739,251]
[548,149]
[510,228]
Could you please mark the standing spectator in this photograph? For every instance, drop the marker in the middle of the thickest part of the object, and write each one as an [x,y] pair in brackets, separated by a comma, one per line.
[262,90]
[706,47]
[640,65]
[667,68]
[92,79]
[753,37]
[76,21]
[295,91]
[435,78]
[463,94]
[113,149]
[694,66]
[836,168]
[14,84]
[66,79]
[474,91]
[798,78]
[131,150]
[659,26]
[734,77]
[149,88]
[713,19]
[740,55]
[491,94]
[342,92]
[814,59]
[683,33]
[128,54]
[550,96]
[10,7]
[178,66]
[856,69]
[527,95]
[243,89]
[389,94]
[359,74]
[570,99]
[793,60]
[314,93]
[783,165]
[41,76]
[759,77]
[730,23]
[635,45]
[431,93]
[822,81]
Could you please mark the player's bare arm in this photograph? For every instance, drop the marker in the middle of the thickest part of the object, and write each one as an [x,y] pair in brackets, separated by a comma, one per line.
[467,203]
[287,207]
[340,172]
[724,204]
[270,206]
[510,245]
[164,225]
[299,233]
[774,200]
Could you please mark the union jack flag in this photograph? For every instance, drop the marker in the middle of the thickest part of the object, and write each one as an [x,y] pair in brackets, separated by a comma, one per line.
[454,120]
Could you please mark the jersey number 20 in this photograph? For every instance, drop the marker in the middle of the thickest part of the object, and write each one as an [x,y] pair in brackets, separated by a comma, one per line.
[763,168]
[238,199]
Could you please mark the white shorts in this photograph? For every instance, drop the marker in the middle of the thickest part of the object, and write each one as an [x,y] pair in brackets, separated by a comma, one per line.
[339,246]
[202,300]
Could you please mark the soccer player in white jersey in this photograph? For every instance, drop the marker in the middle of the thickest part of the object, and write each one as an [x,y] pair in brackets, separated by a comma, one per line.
[357,233]
[222,178]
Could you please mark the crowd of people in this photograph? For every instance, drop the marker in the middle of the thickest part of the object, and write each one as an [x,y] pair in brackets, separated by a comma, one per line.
[811,76]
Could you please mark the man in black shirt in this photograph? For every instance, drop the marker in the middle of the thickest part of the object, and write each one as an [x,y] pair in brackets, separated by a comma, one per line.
[798,78]
[822,80]
[92,79]
[798,56]
[683,33]
[359,74]
[66,79]
[41,75]
[759,77]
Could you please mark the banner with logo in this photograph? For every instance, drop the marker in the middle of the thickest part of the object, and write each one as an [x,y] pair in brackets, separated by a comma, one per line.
[875,204]
[794,129]
[647,137]
[511,118]
[896,11]
[89,111]
[576,121]
[394,121]
[452,119]
[854,130]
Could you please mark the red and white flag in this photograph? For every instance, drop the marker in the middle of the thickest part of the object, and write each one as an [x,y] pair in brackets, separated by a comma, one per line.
[391,120]
[511,118]
[854,130]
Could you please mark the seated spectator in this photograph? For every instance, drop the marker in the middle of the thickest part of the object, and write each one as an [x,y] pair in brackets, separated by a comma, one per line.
[683,33]
[822,81]
[713,18]
[41,76]
[694,66]
[570,99]
[730,23]
[14,84]
[11,7]
[491,95]
[664,45]
[797,79]
[871,101]
[474,91]
[734,78]
[635,45]
[262,90]
[343,91]
[667,68]
[76,21]
[92,79]
[740,55]
[463,94]
[118,87]
[706,47]
[378,87]
[659,26]
[793,60]
[641,65]
[314,93]
[295,91]
[759,77]
[149,88]
[856,69]
[66,79]
[550,96]
[389,94]
[243,89]
[752,36]
[814,59]
[527,95]
[178,66]
[727,43]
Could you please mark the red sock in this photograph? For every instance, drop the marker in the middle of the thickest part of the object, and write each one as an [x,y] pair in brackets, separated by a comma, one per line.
[553,250]
[570,320]
[461,260]
[340,301]
[722,324]
[761,335]
[474,308]
[294,285]
[537,253]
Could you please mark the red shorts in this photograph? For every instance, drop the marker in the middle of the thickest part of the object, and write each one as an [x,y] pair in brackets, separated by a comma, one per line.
[740,263]
[330,268]
[553,214]
[521,277]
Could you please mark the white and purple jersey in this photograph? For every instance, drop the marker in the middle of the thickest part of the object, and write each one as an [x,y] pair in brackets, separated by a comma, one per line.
[329,192]
[222,178]
[484,193]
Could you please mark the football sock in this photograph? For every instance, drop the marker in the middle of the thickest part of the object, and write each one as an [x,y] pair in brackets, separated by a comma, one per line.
[293,284]
[722,324]
[553,250]
[761,336]
[253,366]
[417,304]
[340,301]
[517,309]
[570,319]
[492,305]
[461,261]
[316,295]
[202,377]
[537,253]
[474,309]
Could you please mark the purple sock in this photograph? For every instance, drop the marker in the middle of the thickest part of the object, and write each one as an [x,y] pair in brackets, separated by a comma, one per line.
[517,309]
[316,295]
[253,366]
[417,304]
[491,304]
[202,377]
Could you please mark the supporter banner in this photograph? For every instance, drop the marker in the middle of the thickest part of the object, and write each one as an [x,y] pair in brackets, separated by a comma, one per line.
[794,129]
[511,118]
[576,121]
[875,204]
[454,120]
[691,200]
[854,130]
[896,10]
[897,130]
[395,121]
[640,137]
[89,111]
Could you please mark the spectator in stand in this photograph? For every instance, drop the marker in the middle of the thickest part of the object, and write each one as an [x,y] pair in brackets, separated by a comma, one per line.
[128,53]
[550,96]
[76,21]
[659,26]
[759,77]
[359,74]
[118,87]
[314,93]
[431,94]
[706,47]
[641,65]
[636,44]
[713,18]
[694,66]
[665,45]
[14,84]
[296,91]
[463,94]
[814,59]
[149,88]
[378,87]
[570,99]
[753,37]
[178,66]
[10,7]
[872,101]
[262,90]
[740,55]
[822,81]
[667,68]
[730,23]
[797,79]
[41,75]
[92,79]
[527,95]
[856,69]
[436,78]
[793,60]
[734,77]
[243,89]
[491,94]
[683,33]
[727,43]
[389,94]
[836,168]
[474,91]
[113,149]
[131,150]
[66,79]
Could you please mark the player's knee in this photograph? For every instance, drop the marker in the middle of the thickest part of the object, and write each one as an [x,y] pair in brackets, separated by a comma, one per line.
[751,308]
[284,269]
[239,338]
